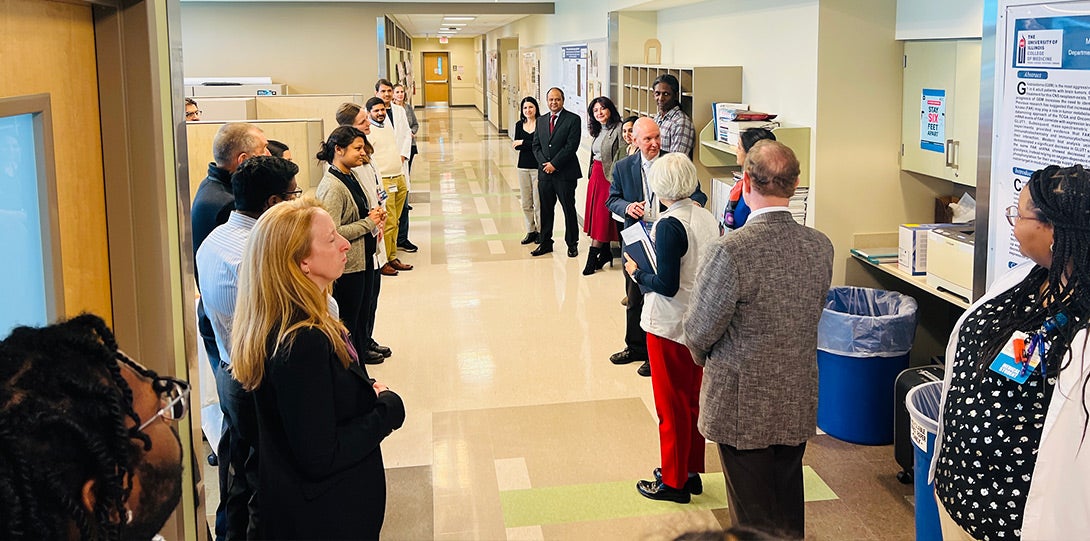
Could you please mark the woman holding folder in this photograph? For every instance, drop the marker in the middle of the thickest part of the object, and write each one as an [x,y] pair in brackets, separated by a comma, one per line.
[681,235]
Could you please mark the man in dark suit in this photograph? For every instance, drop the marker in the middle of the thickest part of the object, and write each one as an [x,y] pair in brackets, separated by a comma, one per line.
[557,139]
[752,324]
[631,197]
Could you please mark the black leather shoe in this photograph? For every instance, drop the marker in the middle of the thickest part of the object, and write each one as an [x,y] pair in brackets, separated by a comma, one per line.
[407,247]
[529,238]
[644,369]
[381,350]
[542,250]
[573,251]
[694,485]
[371,357]
[213,460]
[655,490]
[625,356]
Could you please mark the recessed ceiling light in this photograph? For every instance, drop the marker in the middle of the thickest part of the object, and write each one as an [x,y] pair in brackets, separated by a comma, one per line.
[453,24]
[447,32]
[448,18]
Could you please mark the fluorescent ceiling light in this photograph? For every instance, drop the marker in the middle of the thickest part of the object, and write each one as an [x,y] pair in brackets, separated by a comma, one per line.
[446,32]
[448,18]
[454,24]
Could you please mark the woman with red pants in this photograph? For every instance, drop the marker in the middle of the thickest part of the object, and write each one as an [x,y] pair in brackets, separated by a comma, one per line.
[681,234]
[604,125]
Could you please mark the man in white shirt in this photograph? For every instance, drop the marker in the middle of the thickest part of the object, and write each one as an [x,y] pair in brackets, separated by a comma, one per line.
[258,184]
[389,159]
[403,133]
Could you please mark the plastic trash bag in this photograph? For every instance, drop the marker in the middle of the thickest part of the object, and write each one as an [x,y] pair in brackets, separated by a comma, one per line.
[863,322]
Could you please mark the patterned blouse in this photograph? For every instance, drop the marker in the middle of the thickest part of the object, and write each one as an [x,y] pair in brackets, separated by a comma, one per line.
[992,428]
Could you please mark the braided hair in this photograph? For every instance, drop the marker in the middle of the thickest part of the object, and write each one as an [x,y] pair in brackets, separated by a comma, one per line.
[1061,198]
[63,411]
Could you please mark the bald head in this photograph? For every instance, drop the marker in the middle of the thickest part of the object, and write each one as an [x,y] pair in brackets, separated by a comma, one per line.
[773,169]
[237,141]
[645,133]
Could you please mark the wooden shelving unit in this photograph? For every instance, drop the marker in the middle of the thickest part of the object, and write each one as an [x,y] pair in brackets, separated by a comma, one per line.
[700,87]
[713,153]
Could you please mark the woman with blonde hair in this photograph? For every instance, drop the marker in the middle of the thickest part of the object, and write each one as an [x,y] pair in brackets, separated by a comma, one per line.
[320,416]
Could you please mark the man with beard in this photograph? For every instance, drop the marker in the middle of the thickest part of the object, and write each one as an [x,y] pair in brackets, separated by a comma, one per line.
[89,450]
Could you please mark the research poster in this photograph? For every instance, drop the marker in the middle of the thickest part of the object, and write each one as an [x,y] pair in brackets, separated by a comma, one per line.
[574,79]
[1042,108]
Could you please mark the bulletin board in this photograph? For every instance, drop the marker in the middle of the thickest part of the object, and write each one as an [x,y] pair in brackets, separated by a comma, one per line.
[1042,95]
[491,73]
[530,74]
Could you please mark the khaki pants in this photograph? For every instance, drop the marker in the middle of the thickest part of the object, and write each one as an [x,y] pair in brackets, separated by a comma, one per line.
[950,529]
[395,201]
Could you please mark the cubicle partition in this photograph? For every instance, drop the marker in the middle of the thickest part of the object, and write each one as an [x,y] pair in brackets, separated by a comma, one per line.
[323,106]
[301,135]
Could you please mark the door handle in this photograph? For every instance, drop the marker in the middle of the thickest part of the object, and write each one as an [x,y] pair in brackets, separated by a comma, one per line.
[948,151]
[435,81]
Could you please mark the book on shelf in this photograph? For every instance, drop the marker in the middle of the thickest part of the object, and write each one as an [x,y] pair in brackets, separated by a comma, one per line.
[877,255]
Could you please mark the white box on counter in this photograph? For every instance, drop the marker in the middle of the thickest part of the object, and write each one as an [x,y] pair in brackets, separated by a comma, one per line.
[912,246]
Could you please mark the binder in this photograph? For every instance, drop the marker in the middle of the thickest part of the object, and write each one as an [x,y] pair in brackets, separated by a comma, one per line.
[638,246]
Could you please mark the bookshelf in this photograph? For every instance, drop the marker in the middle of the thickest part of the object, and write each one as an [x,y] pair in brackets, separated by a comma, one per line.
[716,154]
[700,87]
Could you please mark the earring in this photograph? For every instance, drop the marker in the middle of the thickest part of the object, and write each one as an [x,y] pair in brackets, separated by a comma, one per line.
[1050,247]
[128,516]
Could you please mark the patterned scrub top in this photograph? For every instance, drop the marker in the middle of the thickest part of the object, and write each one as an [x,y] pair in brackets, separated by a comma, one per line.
[991,429]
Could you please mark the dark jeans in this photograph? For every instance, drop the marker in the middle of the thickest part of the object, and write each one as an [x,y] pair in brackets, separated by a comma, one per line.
[635,339]
[208,336]
[553,190]
[238,462]
[764,488]
[403,221]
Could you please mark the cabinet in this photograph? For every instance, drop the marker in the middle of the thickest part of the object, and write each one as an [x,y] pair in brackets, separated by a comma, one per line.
[700,87]
[939,19]
[946,75]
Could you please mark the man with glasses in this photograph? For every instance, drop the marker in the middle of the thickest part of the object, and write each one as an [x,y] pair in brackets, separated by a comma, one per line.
[258,184]
[192,112]
[88,446]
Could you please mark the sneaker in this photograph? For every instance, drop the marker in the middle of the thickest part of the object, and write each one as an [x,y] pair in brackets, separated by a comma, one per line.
[407,246]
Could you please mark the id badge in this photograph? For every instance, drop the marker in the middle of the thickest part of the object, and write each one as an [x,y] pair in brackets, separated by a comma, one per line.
[1006,363]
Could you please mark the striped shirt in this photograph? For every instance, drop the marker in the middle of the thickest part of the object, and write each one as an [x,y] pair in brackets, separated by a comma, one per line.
[676,129]
[218,259]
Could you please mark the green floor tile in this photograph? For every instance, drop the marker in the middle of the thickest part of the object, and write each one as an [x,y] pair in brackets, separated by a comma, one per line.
[602,501]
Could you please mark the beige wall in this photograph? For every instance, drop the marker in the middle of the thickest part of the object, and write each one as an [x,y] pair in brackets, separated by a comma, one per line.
[462,55]
[314,48]
[49,47]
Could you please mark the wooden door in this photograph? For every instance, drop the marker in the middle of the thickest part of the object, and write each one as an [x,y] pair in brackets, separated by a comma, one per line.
[436,73]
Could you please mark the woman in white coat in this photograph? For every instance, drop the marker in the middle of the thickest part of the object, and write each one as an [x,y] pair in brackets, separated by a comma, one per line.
[1011,460]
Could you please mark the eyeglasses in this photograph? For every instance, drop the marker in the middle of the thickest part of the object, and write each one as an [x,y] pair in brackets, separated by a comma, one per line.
[291,195]
[1013,216]
[173,393]
[191,114]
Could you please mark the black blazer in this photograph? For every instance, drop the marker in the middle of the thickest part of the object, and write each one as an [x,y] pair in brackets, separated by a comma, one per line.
[321,468]
[558,147]
[626,187]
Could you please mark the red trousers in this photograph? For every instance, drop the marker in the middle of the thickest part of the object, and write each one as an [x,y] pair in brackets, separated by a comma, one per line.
[675,379]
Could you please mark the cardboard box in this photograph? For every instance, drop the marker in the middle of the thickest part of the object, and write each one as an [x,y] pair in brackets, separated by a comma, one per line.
[912,247]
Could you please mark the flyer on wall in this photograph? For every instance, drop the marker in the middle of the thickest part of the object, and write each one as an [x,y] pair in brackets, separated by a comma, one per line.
[1043,109]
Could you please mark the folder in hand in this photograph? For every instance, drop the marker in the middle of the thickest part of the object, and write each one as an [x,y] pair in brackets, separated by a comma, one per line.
[638,246]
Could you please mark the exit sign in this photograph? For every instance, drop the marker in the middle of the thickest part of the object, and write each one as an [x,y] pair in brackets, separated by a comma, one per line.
[443,39]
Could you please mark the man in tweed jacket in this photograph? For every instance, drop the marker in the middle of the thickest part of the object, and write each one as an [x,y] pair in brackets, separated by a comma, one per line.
[752,324]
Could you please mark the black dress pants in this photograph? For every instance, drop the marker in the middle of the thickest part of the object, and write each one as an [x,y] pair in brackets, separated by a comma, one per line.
[208,337]
[552,190]
[236,516]
[635,338]
[349,291]
[370,306]
[764,488]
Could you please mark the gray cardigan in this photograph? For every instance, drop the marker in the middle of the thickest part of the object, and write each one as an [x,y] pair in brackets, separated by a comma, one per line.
[612,150]
[752,323]
[337,201]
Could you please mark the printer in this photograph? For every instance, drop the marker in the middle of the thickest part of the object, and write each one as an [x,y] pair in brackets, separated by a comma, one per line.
[950,260]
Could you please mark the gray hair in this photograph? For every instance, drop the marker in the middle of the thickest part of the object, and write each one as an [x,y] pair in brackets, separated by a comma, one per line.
[773,169]
[233,139]
[672,176]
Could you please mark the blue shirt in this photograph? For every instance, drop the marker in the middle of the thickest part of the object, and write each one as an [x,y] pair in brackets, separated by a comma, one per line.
[218,260]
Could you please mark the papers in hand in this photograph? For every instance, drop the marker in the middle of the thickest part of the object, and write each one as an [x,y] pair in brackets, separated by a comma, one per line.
[638,246]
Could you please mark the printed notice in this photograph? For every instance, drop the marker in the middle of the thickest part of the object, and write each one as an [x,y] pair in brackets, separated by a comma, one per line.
[1044,110]
[933,120]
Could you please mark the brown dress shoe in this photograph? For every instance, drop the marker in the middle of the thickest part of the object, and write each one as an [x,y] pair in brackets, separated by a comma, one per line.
[397,264]
[387,270]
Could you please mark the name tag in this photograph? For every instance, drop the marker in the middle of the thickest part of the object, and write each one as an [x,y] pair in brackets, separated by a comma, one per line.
[1011,364]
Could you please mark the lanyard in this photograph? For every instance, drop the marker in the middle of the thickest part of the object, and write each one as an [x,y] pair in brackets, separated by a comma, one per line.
[1037,342]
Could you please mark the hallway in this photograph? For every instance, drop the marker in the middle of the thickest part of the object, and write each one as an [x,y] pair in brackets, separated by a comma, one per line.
[518,427]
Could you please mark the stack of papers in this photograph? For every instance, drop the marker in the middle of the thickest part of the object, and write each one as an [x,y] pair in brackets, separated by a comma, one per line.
[797,204]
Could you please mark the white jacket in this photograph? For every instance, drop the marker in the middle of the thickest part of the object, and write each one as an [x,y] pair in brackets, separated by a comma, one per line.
[1058,503]
[403,137]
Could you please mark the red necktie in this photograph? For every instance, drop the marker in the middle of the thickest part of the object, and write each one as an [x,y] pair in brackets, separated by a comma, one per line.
[552,123]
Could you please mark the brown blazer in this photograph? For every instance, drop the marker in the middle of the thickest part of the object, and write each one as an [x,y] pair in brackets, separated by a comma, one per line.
[752,323]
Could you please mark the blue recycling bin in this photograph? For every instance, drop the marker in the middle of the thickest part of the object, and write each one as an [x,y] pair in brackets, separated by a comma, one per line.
[864,338]
[923,411]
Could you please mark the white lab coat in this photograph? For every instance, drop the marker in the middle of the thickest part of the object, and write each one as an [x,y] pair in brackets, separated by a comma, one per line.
[403,137]
[1058,503]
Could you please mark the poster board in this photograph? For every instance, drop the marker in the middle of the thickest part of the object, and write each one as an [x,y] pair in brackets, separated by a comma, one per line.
[1042,107]
[574,60]
[530,74]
